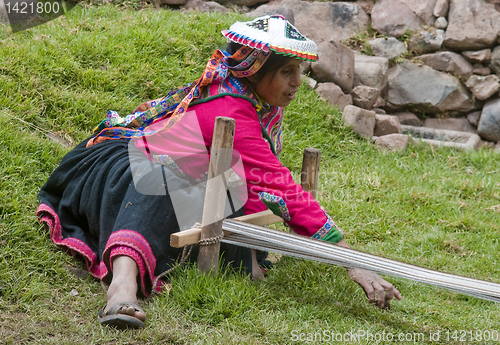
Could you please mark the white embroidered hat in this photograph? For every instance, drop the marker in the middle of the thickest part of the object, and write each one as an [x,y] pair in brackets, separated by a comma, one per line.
[275,33]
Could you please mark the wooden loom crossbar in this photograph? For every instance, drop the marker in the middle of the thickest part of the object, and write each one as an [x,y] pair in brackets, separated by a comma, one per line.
[215,197]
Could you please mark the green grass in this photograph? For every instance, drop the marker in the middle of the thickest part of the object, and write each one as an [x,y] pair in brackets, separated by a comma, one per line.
[434,208]
[360,41]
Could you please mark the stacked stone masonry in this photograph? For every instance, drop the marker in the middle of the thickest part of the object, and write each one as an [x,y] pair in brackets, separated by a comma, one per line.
[430,63]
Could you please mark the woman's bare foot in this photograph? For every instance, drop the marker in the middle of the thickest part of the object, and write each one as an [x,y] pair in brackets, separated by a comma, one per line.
[256,270]
[123,287]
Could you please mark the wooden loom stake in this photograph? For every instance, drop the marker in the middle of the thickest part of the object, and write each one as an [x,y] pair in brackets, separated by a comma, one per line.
[216,193]
[309,176]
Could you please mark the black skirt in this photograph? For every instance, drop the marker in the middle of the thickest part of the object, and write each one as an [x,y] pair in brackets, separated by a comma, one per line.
[95,211]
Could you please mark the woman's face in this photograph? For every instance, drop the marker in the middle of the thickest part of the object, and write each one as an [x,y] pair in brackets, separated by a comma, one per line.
[278,88]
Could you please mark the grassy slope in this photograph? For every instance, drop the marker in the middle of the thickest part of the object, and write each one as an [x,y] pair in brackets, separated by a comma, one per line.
[427,207]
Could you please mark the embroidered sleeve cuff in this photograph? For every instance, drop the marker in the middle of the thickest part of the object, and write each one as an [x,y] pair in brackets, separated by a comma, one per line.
[334,236]
[276,204]
[329,232]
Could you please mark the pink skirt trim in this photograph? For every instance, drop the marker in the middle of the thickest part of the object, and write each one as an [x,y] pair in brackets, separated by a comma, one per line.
[122,242]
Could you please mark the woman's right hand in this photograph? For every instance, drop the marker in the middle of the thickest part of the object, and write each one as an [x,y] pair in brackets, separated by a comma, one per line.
[372,284]
[378,290]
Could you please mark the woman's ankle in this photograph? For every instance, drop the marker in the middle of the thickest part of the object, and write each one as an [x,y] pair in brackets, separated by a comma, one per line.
[124,281]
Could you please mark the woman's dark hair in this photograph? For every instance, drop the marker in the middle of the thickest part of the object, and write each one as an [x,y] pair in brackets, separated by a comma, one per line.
[273,62]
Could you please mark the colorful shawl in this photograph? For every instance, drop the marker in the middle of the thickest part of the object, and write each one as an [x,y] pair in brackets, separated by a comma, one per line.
[218,79]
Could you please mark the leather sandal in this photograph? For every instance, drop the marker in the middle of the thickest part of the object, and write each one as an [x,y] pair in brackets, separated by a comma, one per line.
[114,318]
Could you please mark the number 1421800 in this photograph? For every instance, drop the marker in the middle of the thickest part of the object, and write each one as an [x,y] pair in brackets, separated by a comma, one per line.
[32,7]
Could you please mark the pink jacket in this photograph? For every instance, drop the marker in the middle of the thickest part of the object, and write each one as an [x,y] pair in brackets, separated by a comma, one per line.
[269,183]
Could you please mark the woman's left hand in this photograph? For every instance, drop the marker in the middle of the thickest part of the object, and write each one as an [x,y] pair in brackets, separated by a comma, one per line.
[378,291]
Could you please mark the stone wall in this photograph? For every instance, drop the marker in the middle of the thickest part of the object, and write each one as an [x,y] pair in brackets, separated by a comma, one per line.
[432,63]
